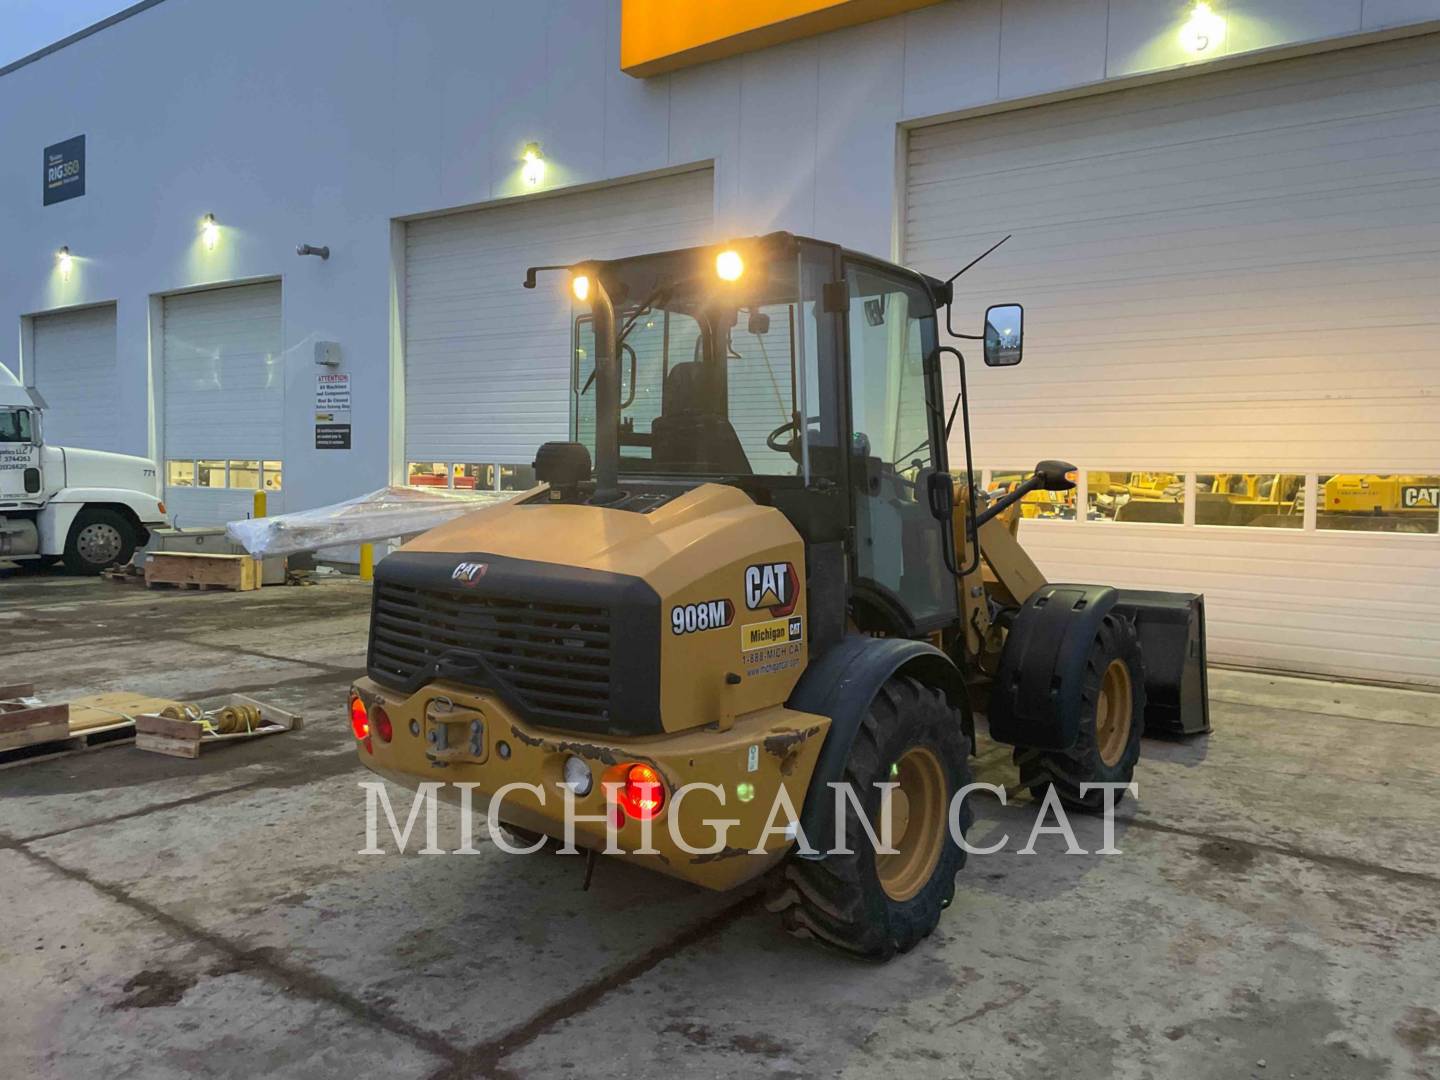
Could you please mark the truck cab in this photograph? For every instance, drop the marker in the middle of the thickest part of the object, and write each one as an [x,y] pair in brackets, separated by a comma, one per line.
[91,508]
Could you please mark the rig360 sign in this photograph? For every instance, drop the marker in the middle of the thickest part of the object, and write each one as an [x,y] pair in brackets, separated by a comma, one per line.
[65,170]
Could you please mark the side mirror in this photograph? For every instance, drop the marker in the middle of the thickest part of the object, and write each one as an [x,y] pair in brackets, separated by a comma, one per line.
[1004,335]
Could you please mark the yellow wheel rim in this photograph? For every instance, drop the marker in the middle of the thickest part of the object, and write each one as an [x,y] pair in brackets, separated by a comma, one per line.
[1114,712]
[917,824]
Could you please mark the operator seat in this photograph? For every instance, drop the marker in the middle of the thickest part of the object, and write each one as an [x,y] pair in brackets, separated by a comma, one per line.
[689,437]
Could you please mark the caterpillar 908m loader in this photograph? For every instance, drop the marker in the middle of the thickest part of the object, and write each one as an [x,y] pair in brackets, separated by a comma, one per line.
[752,567]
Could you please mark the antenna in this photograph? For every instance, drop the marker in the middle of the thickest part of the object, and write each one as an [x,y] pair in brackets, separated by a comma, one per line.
[977,258]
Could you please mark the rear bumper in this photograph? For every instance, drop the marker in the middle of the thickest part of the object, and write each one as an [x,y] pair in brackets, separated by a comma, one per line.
[452,735]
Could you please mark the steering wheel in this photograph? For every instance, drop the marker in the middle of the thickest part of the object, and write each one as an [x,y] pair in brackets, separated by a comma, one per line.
[791,445]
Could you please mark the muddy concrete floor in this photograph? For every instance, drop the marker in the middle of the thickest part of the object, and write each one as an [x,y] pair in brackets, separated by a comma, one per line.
[1275,911]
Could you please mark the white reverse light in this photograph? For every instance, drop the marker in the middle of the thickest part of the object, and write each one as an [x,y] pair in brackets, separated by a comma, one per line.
[577,776]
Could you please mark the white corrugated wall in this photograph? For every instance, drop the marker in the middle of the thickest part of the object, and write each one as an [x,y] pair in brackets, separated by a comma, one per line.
[1237,272]
[487,363]
[223,393]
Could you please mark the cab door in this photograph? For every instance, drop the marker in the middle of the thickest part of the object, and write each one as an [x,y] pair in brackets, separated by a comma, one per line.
[20,478]
[901,583]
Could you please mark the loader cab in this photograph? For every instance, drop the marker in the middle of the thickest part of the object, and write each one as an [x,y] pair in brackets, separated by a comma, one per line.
[802,373]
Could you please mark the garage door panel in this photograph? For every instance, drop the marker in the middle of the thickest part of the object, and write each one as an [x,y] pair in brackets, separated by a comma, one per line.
[223,372]
[488,363]
[73,367]
[1366,608]
[1224,273]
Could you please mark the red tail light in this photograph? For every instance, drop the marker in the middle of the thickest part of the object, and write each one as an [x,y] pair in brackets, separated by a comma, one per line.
[643,794]
[359,717]
[383,727]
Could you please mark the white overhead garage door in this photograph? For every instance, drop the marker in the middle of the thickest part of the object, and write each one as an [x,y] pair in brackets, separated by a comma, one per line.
[73,366]
[223,402]
[1232,290]
[487,363]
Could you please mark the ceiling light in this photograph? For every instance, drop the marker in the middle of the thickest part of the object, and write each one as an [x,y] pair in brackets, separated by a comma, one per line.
[1204,31]
[533,171]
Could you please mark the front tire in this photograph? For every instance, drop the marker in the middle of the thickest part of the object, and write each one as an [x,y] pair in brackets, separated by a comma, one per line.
[98,538]
[874,906]
[1112,719]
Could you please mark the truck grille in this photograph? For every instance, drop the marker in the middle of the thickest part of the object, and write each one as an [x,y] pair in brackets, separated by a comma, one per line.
[551,661]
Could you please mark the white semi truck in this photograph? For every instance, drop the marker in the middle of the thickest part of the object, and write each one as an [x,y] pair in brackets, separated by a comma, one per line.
[89,507]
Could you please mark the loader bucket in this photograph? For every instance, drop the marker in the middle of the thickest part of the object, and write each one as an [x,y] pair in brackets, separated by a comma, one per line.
[1172,642]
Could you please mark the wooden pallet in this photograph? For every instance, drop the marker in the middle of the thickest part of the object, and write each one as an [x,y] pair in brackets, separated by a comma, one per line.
[25,720]
[192,570]
[185,738]
[94,722]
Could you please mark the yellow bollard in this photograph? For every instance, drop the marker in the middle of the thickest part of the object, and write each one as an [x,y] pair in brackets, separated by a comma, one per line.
[261,501]
[367,562]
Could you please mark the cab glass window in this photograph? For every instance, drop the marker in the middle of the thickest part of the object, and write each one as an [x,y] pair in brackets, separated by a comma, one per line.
[900,556]
[15,426]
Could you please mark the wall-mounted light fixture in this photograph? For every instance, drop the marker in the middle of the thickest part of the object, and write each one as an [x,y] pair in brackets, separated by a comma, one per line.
[311,249]
[209,231]
[64,262]
[533,169]
[1204,31]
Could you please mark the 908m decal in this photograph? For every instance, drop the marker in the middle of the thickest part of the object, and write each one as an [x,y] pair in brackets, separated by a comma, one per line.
[706,615]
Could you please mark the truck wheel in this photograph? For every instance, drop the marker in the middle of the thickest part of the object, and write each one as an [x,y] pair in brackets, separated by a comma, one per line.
[98,538]
[1112,720]
[876,905]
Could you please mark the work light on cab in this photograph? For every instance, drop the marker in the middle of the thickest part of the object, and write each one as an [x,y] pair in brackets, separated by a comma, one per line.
[359,717]
[580,286]
[643,793]
[729,266]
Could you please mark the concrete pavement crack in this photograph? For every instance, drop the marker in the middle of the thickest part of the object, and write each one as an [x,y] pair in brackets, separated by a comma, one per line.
[288,978]
[485,1059]
[1320,858]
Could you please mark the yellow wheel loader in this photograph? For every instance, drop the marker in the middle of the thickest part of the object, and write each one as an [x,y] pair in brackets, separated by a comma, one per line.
[749,591]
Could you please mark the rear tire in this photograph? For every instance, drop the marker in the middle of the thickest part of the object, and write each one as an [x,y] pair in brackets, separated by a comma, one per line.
[1112,720]
[876,906]
[98,538]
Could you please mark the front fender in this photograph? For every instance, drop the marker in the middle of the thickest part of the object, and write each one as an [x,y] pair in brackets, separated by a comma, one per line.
[841,685]
[146,507]
[56,517]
